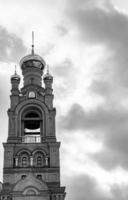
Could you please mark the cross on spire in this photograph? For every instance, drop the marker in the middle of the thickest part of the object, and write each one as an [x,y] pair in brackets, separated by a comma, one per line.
[32,42]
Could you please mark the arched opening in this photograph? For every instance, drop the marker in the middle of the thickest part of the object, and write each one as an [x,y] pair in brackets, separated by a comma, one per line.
[39,161]
[24,159]
[32,126]
[32,123]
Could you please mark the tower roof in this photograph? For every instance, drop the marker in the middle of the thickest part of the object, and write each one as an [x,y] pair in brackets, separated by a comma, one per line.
[32,60]
[15,76]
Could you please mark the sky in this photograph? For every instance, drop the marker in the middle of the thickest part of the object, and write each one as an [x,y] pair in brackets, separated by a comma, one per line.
[85,43]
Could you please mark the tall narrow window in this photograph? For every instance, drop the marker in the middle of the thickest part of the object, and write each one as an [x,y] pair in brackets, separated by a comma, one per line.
[39,161]
[24,162]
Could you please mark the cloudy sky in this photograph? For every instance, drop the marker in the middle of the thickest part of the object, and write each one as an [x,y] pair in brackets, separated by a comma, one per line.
[85,42]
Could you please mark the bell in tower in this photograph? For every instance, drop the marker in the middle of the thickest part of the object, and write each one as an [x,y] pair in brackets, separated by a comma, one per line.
[31,154]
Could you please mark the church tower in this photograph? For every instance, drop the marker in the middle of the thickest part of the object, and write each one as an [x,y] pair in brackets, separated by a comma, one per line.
[31,154]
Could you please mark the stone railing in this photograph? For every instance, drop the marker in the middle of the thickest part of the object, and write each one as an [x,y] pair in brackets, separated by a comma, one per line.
[31,139]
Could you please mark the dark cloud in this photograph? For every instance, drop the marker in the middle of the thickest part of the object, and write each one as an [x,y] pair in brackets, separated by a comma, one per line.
[99,23]
[101,87]
[84,187]
[116,148]
[120,192]
[110,125]
[100,26]
[101,118]
[11,46]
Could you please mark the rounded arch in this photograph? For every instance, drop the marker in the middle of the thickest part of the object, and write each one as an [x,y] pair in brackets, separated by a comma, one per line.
[31,121]
[23,158]
[44,152]
[39,108]
[31,112]
[39,158]
[34,102]
[31,191]
[23,151]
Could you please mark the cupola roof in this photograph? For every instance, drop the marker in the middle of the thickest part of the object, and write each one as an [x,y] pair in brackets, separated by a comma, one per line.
[48,76]
[15,76]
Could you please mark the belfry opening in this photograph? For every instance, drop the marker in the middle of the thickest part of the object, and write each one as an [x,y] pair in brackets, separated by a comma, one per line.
[32,123]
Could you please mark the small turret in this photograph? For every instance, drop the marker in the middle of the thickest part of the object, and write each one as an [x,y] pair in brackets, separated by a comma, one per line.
[15,80]
[48,80]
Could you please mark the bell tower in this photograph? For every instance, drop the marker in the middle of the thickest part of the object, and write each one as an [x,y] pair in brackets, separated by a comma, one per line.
[31,154]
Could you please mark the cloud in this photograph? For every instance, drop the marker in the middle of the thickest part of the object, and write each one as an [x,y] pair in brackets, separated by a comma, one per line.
[64,69]
[65,77]
[97,23]
[85,187]
[100,118]
[101,87]
[108,125]
[47,49]
[11,46]
[62,30]
[100,23]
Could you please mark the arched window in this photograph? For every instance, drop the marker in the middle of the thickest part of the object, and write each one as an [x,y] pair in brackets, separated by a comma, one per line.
[32,126]
[23,158]
[24,161]
[39,161]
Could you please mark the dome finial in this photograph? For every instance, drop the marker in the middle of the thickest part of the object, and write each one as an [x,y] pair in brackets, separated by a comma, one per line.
[47,69]
[15,70]
[32,42]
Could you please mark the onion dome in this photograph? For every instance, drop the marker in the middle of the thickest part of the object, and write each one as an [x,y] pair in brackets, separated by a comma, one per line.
[48,76]
[15,76]
[32,60]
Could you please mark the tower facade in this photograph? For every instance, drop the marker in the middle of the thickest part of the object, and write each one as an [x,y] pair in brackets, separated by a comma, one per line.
[31,154]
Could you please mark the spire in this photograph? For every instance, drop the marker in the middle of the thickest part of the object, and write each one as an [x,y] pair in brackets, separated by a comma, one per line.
[32,42]
[48,69]
[15,70]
